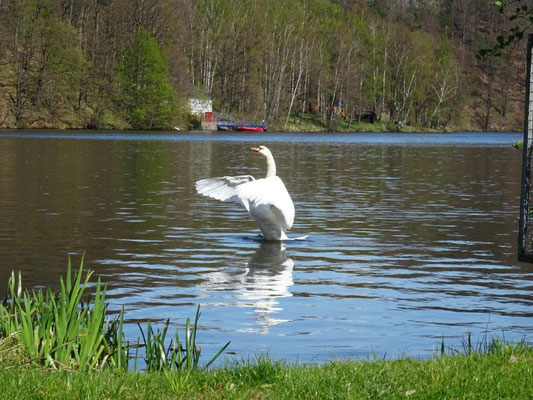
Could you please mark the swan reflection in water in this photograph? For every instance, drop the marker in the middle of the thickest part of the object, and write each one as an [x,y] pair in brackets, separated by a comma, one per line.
[266,277]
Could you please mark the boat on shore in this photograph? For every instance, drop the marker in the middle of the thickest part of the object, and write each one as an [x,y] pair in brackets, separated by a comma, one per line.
[251,128]
[230,125]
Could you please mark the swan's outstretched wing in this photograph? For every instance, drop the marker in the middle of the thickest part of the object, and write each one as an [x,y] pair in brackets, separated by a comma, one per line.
[269,192]
[222,188]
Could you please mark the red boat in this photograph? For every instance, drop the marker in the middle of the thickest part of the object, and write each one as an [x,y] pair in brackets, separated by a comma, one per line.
[250,128]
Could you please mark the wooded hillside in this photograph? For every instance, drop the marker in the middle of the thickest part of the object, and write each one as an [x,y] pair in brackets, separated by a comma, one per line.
[134,63]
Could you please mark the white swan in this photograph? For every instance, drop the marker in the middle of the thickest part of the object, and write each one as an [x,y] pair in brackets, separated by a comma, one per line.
[266,199]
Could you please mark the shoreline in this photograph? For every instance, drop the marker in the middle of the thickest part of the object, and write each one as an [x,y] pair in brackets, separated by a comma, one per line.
[499,373]
[177,132]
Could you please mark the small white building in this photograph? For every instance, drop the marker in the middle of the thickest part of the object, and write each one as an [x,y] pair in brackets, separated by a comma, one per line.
[200,106]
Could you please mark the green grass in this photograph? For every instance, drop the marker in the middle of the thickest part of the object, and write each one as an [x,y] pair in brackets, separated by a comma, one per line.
[308,122]
[305,122]
[505,375]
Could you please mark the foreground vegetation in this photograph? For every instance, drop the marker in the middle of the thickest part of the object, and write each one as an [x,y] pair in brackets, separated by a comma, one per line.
[72,330]
[134,64]
[504,374]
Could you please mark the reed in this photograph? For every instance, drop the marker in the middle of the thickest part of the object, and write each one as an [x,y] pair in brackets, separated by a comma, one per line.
[71,329]
[486,344]
[177,355]
[64,329]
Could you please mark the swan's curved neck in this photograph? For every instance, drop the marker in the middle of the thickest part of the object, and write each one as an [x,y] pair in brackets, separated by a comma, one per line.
[271,166]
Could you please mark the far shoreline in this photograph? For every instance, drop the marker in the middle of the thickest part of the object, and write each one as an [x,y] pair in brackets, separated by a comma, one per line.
[276,131]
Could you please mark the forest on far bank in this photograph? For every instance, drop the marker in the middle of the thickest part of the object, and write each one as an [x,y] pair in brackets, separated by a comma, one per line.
[122,64]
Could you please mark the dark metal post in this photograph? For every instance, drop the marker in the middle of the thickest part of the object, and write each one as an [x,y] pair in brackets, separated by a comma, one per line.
[525,234]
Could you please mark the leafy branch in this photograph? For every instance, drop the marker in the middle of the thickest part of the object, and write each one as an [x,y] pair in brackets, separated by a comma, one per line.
[521,17]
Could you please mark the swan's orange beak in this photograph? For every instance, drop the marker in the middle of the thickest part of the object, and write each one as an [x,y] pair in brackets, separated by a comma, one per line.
[255,149]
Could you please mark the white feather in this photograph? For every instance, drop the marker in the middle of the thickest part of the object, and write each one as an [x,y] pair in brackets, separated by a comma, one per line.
[222,188]
[266,199]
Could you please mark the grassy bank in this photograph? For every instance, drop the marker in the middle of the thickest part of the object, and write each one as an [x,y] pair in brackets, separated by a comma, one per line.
[505,375]
[308,122]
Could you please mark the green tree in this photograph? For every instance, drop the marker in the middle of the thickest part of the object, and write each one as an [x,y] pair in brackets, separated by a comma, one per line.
[147,96]
[40,65]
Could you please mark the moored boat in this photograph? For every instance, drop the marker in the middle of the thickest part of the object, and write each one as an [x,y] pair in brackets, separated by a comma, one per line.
[251,128]
[226,127]
[239,126]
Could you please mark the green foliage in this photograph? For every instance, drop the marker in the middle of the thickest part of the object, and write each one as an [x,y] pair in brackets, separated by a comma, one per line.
[146,93]
[485,345]
[379,6]
[391,126]
[176,355]
[42,60]
[117,65]
[193,123]
[521,17]
[64,330]
[71,330]
[498,375]
[12,354]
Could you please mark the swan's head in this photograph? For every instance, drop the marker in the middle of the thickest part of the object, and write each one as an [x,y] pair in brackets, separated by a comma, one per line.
[271,165]
[263,150]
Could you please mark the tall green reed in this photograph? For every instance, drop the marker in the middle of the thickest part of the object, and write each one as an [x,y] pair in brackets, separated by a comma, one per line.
[70,329]
[64,329]
[177,355]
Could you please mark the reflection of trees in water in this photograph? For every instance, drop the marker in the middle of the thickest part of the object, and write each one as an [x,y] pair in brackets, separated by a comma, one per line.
[265,277]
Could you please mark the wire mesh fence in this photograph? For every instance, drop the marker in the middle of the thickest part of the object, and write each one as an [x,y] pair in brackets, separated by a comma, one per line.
[525,237]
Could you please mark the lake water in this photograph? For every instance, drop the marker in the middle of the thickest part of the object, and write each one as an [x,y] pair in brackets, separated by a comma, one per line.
[412,237]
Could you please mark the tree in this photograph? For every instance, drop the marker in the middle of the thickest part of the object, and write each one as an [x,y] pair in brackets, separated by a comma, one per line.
[405,67]
[146,94]
[84,63]
[41,64]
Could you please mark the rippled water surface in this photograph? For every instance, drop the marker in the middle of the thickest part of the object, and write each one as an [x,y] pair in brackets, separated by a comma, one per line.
[412,237]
